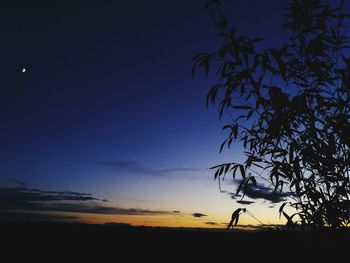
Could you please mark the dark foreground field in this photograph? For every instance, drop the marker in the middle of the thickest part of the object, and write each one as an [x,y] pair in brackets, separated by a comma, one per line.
[116,243]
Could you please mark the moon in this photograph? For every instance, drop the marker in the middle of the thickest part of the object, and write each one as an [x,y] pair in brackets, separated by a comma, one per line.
[24,70]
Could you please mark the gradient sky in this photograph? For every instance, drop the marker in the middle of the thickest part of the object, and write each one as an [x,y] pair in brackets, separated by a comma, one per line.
[108,106]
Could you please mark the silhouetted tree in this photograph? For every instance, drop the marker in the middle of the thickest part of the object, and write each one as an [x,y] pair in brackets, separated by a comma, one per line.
[294,104]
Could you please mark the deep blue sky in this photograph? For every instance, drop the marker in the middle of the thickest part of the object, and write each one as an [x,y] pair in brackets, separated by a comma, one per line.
[107,104]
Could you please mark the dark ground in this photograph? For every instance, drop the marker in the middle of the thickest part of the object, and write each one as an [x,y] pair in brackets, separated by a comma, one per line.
[117,243]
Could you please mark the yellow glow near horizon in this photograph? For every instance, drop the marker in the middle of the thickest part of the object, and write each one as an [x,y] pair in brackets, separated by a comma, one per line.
[162,220]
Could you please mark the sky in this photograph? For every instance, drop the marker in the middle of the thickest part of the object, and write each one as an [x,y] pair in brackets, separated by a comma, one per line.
[107,124]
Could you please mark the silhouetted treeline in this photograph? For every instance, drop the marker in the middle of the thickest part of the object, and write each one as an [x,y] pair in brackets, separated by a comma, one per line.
[108,243]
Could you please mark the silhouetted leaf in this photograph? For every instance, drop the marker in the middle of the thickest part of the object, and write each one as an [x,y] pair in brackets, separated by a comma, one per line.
[234,172]
[216,173]
[286,216]
[281,208]
[253,180]
[222,146]
[240,187]
[242,107]
[250,113]
[227,167]
[241,167]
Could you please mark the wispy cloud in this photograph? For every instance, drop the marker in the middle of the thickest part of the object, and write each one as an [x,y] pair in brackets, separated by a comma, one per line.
[20,198]
[19,183]
[100,209]
[245,202]
[139,168]
[27,196]
[198,215]
[260,192]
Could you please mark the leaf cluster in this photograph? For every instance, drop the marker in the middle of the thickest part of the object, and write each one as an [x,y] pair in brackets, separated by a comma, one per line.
[292,108]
